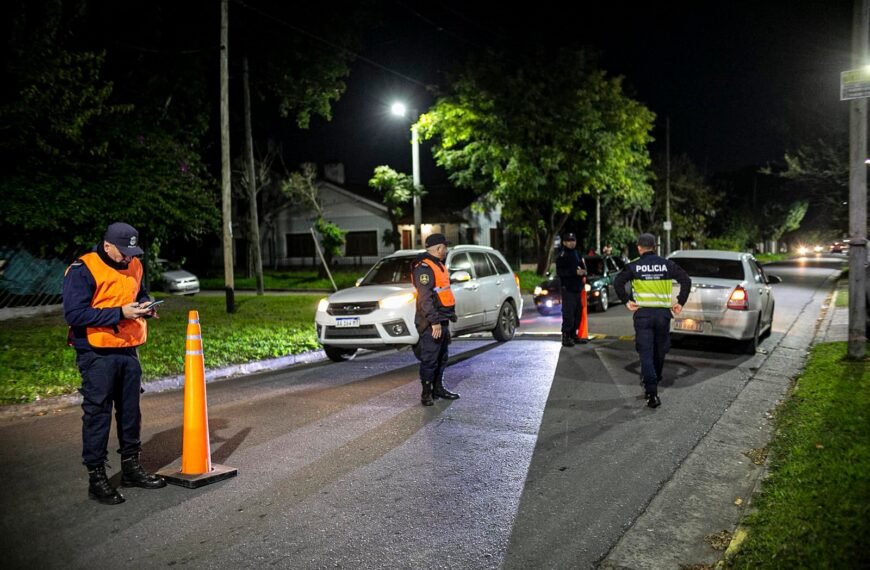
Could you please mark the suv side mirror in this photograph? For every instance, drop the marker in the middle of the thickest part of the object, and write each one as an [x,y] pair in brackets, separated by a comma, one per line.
[460,276]
[773,279]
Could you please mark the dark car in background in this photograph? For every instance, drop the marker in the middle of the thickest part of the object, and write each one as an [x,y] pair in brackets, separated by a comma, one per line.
[600,293]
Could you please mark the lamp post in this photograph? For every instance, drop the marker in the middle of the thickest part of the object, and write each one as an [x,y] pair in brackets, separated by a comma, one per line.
[400,110]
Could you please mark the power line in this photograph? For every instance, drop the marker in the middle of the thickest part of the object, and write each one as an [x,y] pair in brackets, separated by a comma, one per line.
[329,43]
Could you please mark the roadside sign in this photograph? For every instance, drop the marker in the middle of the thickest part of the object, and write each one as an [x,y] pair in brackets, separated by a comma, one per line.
[855,84]
[667,226]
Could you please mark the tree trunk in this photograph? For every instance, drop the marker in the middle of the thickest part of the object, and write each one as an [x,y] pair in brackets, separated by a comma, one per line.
[256,257]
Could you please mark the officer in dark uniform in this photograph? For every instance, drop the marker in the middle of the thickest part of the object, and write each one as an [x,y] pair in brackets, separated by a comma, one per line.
[105,306]
[571,270]
[651,300]
[436,307]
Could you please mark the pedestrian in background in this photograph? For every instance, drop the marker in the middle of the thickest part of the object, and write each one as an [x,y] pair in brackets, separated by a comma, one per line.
[436,307]
[105,307]
[651,301]
[571,270]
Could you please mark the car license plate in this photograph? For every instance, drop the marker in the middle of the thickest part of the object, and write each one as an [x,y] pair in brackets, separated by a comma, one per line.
[689,325]
[347,323]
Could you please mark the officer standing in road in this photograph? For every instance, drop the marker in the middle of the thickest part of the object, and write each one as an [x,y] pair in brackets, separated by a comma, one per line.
[651,278]
[571,270]
[105,306]
[436,307]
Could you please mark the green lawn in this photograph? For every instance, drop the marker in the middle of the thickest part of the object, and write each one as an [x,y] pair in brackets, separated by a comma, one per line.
[290,279]
[814,508]
[36,363]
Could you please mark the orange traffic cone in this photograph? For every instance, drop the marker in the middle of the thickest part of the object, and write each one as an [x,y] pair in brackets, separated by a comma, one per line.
[196,467]
[583,329]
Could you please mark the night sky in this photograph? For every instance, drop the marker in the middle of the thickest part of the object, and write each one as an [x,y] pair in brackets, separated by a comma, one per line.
[742,82]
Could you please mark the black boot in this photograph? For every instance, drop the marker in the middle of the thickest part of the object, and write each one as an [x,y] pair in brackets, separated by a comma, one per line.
[134,475]
[653,401]
[426,397]
[439,391]
[567,340]
[100,489]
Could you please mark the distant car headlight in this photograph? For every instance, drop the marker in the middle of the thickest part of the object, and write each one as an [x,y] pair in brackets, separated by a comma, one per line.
[323,305]
[803,250]
[396,301]
[818,249]
[540,291]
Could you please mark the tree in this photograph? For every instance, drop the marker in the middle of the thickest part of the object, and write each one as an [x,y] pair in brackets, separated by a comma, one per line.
[537,131]
[397,189]
[302,188]
[79,152]
[694,201]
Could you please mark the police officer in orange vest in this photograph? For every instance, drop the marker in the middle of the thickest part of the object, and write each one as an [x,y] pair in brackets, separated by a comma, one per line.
[436,307]
[104,304]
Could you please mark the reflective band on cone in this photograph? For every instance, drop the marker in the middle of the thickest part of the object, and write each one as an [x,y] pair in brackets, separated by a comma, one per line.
[196,467]
[583,329]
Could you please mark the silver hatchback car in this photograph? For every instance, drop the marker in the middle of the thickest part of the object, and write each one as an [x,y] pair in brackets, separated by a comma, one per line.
[731,297]
[379,311]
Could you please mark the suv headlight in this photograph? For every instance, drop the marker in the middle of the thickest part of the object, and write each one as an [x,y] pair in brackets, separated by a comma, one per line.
[323,305]
[396,301]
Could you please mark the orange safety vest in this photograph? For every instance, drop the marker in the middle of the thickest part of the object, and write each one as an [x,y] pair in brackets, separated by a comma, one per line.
[442,283]
[115,288]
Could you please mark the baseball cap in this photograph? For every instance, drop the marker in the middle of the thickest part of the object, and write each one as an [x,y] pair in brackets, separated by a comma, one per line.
[125,238]
[435,239]
[569,237]
[646,240]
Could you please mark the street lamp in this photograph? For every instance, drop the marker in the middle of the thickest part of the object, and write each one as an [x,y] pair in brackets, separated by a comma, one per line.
[400,110]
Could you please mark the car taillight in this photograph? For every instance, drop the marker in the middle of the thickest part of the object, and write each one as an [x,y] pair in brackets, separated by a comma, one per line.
[517,279]
[738,300]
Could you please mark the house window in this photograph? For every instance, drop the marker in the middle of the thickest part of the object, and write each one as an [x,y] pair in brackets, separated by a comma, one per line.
[300,245]
[358,244]
[495,238]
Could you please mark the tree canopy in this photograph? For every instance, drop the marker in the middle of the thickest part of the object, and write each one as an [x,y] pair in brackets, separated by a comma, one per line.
[535,132]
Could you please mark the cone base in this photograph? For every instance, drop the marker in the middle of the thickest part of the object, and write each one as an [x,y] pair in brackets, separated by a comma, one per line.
[218,473]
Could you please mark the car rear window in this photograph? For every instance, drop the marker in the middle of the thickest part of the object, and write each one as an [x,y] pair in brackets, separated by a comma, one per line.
[715,268]
[389,271]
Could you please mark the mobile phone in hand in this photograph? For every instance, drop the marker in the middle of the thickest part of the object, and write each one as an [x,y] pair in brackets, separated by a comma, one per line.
[152,304]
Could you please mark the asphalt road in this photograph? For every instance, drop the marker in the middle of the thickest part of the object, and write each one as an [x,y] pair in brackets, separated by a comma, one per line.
[545,461]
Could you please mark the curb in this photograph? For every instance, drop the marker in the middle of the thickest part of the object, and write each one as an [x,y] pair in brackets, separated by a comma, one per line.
[741,532]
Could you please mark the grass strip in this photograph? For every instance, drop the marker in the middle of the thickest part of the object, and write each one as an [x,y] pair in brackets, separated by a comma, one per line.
[814,508]
[36,363]
[290,279]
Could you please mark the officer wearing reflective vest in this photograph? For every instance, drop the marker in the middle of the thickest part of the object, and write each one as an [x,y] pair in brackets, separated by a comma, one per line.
[104,305]
[436,307]
[651,301]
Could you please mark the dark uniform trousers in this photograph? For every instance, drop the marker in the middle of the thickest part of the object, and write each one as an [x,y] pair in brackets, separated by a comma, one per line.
[652,340]
[109,377]
[570,312]
[433,353]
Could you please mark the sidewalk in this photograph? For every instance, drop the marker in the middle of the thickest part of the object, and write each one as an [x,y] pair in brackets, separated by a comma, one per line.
[713,488]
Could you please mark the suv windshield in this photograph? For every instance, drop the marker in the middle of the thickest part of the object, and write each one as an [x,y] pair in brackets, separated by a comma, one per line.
[390,271]
[716,268]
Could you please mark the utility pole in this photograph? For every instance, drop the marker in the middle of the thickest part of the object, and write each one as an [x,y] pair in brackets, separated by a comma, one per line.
[667,186]
[858,189]
[598,222]
[226,173]
[253,219]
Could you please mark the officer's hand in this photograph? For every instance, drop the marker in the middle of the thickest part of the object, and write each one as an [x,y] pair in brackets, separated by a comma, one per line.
[134,311]
[436,331]
[581,271]
[677,308]
[632,306]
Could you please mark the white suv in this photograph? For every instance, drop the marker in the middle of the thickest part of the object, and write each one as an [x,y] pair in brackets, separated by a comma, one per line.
[379,311]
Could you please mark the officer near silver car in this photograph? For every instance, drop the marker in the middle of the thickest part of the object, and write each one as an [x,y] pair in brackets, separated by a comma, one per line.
[436,307]
[651,301]
[571,270]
